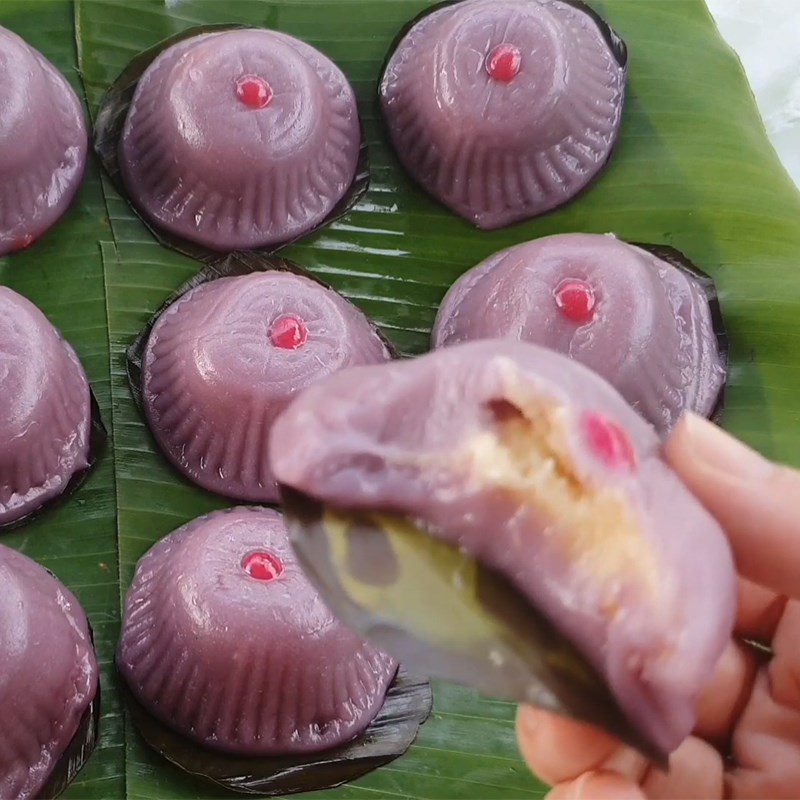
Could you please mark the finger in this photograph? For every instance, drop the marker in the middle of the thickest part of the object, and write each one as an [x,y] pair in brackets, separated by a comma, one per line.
[596,786]
[759,611]
[755,501]
[721,703]
[784,668]
[560,749]
[766,742]
[626,761]
[695,773]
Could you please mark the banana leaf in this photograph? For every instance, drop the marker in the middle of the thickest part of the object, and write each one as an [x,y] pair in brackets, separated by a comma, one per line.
[693,170]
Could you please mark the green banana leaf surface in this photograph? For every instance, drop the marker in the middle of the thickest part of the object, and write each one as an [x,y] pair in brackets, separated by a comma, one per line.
[693,169]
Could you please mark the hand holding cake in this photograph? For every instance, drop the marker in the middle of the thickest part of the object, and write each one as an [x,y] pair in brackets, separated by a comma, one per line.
[750,706]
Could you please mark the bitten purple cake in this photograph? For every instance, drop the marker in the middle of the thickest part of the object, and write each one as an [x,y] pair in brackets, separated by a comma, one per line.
[225,359]
[43,143]
[638,321]
[45,412]
[537,467]
[504,109]
[240,139]
[48,673]
[224,640]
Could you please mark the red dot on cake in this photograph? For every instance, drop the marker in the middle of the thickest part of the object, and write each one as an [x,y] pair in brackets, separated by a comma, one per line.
[288,332]
[262,566]
[609,443]
[253,91]
[503,62]
[576,300]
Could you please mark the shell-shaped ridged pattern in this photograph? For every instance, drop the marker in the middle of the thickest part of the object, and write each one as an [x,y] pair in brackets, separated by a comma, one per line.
[45,413]
[200,163]
[48,673]
[43,143]
[651,334]
[496,152]
[243,665]
[213,382]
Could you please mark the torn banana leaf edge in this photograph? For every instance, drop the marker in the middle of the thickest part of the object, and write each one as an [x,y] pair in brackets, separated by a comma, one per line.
[97,442]
[235,264]
[382,574]
[682,262]
[109,124]
[78,751]
[407,706]
[614,41]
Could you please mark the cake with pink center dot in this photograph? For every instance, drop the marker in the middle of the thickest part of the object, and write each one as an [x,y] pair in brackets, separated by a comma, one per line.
[649,326]
[505,109]
[43,143]
[225,641]
[535,467]
[226,358]
[49,688]
[240,139]
[45,410]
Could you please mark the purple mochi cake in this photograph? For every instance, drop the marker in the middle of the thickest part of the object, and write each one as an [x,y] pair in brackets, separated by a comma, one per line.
[43,143]
[642,323]
[240,139]
[226,358]
[504,109]
[225,640]
[45,413]
[48,673]
[536,466]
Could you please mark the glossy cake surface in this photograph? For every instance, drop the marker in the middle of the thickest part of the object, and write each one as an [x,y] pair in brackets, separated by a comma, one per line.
[225,359]
[642,323]
[536,466]
[224,639]
[45,413]
[504,109]
[48,673]
[43,143]
[240,139]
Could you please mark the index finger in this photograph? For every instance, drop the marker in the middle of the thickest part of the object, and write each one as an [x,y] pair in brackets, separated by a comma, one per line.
[756,502]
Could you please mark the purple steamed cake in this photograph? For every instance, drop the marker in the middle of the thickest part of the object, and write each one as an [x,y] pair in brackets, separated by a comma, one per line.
[45,413]
[535,465]
[504,109]
[225,640]
[638,321]
[240,139]
[225,359]
[43,143]
[48,673]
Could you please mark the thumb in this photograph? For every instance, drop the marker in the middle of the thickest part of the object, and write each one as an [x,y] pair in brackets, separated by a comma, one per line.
[756,501]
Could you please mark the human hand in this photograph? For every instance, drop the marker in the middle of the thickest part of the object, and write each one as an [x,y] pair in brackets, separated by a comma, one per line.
[747,740]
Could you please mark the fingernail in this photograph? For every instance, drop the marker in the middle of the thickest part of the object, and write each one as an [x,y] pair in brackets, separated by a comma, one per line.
[707,443]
